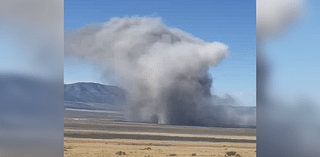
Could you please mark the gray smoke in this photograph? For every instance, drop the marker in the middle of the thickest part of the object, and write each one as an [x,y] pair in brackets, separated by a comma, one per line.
[164,70]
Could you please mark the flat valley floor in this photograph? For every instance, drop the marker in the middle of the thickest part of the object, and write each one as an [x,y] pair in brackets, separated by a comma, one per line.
[90,137]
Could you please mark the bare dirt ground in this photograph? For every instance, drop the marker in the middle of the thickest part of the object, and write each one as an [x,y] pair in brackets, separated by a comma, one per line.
[103,138]
[84,147]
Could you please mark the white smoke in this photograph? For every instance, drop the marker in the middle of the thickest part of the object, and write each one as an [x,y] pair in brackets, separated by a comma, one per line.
[164,70]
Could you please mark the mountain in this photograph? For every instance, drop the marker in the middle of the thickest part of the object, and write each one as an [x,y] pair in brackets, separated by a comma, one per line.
[85,93]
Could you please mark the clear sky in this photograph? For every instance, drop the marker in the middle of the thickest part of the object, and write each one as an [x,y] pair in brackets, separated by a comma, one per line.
[295,57]
[231,22]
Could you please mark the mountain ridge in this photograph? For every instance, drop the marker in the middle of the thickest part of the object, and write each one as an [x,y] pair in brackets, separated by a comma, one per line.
[89,92]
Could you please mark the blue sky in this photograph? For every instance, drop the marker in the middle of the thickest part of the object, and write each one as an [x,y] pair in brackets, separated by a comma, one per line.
[231,22]
[296,59]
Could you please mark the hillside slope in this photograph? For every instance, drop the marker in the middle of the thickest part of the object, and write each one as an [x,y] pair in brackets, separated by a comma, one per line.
[93,93]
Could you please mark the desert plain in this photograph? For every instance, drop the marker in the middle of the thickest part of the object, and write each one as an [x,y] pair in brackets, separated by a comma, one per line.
[91,137]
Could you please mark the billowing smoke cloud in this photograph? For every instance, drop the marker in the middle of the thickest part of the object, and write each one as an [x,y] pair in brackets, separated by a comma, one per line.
[164,70]
[283,129]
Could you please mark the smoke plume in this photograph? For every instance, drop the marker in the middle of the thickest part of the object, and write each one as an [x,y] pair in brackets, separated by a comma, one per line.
[164,70]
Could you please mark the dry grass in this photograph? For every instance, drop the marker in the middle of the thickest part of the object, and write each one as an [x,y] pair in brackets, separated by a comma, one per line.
[84,147]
